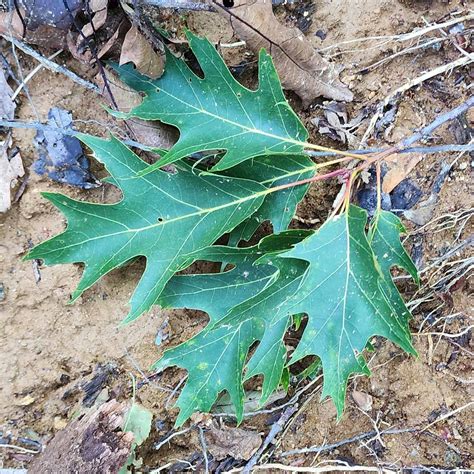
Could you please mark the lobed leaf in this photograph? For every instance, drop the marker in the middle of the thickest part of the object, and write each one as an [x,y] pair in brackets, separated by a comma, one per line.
[334,277]
[216,112]
[278,207]
[163,217]
[216,356]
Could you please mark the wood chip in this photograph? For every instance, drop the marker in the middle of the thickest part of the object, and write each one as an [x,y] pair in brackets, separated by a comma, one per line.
[94,443]
[363,400]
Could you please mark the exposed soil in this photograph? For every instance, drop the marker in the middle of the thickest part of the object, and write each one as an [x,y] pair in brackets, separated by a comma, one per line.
[51,349]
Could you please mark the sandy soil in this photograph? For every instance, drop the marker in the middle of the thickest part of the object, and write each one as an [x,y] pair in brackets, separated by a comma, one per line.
[50,349]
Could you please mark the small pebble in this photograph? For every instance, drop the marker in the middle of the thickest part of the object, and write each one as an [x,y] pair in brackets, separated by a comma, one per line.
[321,35]
[59,423]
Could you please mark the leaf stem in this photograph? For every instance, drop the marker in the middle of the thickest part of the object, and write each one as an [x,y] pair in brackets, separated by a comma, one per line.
[316,166]
[343,172]
[379,186]
[312,146]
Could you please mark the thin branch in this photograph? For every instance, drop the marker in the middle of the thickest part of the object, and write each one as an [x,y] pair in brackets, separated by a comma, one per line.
[52,66]
[404,36]
[445,334]
[159,444]
[409,50]
[463,61]
[447,415]
[440,120]
[19,448]
[418,149]
[322,469]
[189,4]
[17,61]
[202,440]
[329,447]
[32,74]
[276,428]
[434,149]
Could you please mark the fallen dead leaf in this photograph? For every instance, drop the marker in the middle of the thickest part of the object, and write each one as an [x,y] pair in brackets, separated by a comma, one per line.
[44,23]
[10,170]
[137,49]
[399,167]
[112,41]
[336,124]
[234,442]
[96,5]
[97,21]
[300,67]
[11,24]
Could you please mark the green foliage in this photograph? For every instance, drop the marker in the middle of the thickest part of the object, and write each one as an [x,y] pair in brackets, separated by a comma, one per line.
[278,207]
[163,217]
[339,276]
[138,421]
[220,365]
[332,277]
[216,112]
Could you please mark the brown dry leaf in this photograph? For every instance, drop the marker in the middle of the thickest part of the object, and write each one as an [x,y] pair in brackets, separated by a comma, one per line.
[234,442]
[137,49]
[10,23]
[97,5]
[399,167]
[10,170]
[97,21]
[300,67]
[46,22]
[112,41]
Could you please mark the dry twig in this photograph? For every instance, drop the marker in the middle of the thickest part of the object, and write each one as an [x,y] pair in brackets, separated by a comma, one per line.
[52,66]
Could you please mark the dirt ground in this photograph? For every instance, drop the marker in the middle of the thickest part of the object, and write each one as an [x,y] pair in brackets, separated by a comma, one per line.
[50,349]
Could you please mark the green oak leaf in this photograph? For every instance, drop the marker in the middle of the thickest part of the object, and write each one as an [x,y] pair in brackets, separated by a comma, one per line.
[163,217]
[278,207]
[215,357]
[216,112]
[384,236]
[343,292]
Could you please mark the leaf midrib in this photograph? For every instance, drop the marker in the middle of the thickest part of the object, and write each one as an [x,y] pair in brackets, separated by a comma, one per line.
[231,122]
[165,221]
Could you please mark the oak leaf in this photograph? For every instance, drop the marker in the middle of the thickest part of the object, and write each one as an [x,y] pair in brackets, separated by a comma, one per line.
[300,67]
